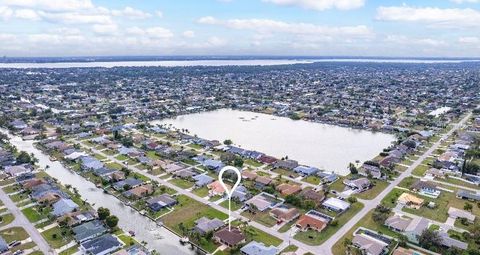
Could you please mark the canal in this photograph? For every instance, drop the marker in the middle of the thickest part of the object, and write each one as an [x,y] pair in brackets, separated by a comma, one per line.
[158,238]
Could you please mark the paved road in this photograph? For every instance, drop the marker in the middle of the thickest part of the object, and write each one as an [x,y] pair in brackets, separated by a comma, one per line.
[326,248]
[21,221]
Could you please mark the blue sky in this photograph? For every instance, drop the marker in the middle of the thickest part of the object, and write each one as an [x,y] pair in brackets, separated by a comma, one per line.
[429,28]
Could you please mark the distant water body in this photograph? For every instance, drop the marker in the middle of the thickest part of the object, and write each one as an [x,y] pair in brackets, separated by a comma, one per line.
[236,62]
[324,146]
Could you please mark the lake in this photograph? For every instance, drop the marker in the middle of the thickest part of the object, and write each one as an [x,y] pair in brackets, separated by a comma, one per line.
[324,146]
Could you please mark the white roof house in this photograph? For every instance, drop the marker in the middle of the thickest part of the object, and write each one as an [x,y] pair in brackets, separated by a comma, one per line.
[336,204]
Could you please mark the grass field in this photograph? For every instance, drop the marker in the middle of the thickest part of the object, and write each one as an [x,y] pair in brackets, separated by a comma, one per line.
[33,214]
[201,192]
[14,234]
[374,191]
[57,237]
[6,219]
[184,184]
[261,217]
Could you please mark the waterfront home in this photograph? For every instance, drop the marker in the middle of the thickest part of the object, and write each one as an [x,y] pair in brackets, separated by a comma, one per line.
[288,189]
[160,202]
[133,250]
[76,218]
[88,230]
[90,163]
[269,160]
[139,192]
[288,164]
[389,161]
[312,220]
[426,188]
[262,181]
[75,155]
[436,173]
[185,174]
[468,195]
[455,213]
[103,172]
[213,164]
[202,180]
[101,245]
[284,214]
[18,170]
[57,145]
[117,176]
[256,248]
[306,170]
[327,177]
[229,238]
[358,185]
[31,183]
[128,183]
[6,158]
[336,205]
[369,245]
[173,167]
[63,206]
[370,170]
[205,225]
[409,200]
[215,188]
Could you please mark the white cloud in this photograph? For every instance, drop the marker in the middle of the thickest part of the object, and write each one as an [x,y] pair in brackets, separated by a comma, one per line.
[469,40]
[320,5]
[404,40]
[188,34]
[109,29]
[5,12]
[216,41]
[27,14]
[431,15]
[152,32]
[131,13]
[159,14]
[465,1]
[76,18]
[268,26]
[50,5]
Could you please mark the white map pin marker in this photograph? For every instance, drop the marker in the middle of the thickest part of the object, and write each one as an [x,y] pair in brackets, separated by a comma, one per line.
[229,192]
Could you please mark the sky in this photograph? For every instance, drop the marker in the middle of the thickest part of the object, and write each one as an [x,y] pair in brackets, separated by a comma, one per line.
[410,28]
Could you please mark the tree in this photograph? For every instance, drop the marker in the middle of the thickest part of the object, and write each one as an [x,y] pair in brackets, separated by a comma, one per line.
[402,241]
[353,169]
[468,207]
[103,213]
[429,239]
[24,158]
[380,214]
[111,221]
[238,162]
[228,142]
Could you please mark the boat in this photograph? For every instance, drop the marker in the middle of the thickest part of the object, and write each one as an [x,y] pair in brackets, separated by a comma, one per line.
[131,232]
[184,240]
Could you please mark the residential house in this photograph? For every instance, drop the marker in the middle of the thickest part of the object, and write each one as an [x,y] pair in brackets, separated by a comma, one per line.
[139,192]
[312,195]
[205,225]
[449,242]
[215,188]
[229,238]
[129,183]
[468,195]
[409,200]
[18,170]
[426,188]
[312,220]
[240,194]
[370,170]
[88,230]
[90,163]
[101,245]
[248,175]
[458,213]
[63,206]
[306,170]
[160,202]
[288,189]
[202,180]
[285,214]
[269,160]
[256,248]
[369,245]
[358,185]
[262,181]
[288,164]
[336,205]
[406,251]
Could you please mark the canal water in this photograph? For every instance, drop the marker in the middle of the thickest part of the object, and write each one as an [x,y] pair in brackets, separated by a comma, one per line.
[146,230]
[328,147]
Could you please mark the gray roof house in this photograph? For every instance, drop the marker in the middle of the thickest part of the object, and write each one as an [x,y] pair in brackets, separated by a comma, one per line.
[463,194]
[449,242]
[89,230]
[202,180]
[256,248]
[63,206]
[160,202]
[101,245]
[3,245]
[205,225]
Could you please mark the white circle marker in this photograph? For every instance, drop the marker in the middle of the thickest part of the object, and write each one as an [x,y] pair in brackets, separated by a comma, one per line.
[229,192]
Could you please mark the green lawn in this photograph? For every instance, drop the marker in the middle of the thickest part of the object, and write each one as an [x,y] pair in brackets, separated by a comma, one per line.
[12,189]
[114,165]
[152,155]
[374,191]
[234,205]
[314,238]
[6,219]
[287,226]
[184,184]
[128,240]
[57,237]
[33,215]
[290,248]
[253,233]
[14,234]
[253,163]
[315,180]
[70,251]
[420,170]
[201,192]
[261,217]
[18,197]
[121,157]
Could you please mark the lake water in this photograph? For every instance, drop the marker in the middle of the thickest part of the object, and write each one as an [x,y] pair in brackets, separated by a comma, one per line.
[129,219]
[325,146]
